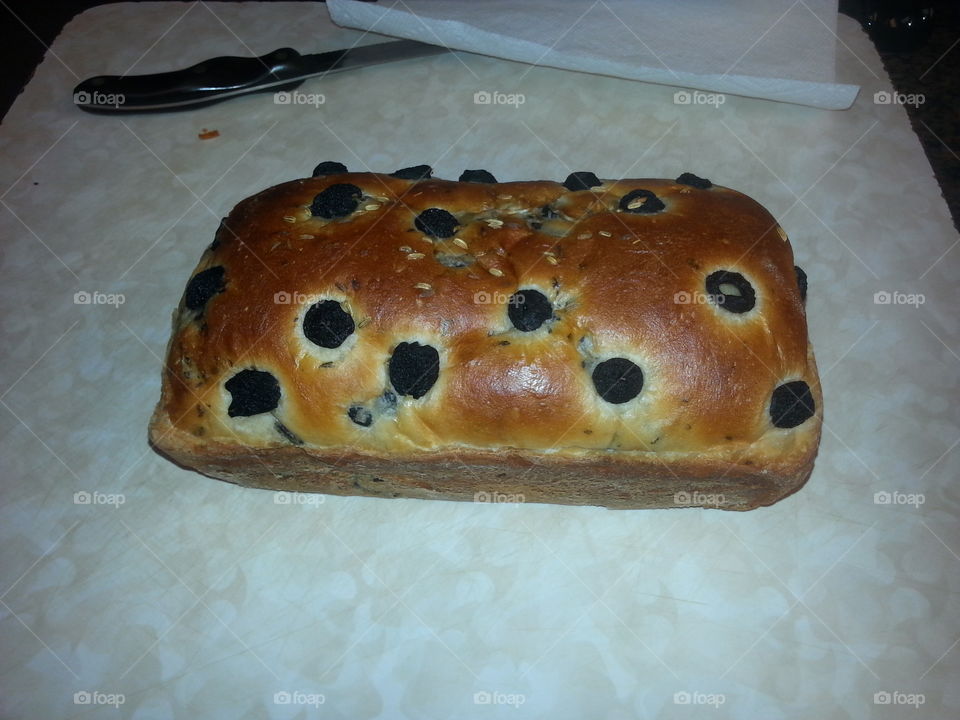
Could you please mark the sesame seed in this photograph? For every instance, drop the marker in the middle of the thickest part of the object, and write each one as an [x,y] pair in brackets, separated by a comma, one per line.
[494,223]
[289,218]
[782,233]
[406,248]
[382,199]
[371,206]
[505,197]
[415,256]
[605,233]
[460,242]
[306,237]
[685,191]
[635,203]
[496,272]
[423,286]
[552,260]
[585,236]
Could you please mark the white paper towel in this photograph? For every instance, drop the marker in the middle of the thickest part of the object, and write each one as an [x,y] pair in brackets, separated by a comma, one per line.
[774,49]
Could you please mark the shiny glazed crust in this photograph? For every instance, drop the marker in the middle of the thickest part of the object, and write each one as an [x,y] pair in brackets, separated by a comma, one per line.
[512,414]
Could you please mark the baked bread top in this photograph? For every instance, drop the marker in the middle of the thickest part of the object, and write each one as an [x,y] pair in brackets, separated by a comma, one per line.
[401,314]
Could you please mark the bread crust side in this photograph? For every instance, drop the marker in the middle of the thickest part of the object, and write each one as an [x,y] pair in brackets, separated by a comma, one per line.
[621,480]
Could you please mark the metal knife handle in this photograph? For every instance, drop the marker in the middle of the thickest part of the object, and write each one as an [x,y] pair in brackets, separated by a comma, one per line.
[205,83]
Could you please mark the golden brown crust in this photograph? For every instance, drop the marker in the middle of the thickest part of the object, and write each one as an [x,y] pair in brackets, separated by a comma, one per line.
[511,411]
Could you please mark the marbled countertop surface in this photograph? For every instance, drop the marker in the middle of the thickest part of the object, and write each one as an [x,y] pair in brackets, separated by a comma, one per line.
[168,594]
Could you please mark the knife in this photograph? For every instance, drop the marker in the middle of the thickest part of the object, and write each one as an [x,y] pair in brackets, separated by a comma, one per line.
[221,78]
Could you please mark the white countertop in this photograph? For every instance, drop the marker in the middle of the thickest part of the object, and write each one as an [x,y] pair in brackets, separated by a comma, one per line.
[195,598]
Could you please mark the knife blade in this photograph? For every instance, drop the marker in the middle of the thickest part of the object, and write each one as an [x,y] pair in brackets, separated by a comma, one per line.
[222,78]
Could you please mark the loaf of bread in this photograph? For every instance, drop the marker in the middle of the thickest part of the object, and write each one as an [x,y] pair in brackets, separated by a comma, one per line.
[630,343]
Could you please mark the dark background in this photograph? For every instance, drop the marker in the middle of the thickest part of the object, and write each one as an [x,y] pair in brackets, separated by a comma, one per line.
[932,69]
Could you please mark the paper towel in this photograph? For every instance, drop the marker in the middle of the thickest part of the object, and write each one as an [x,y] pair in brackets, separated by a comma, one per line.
[772,49]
